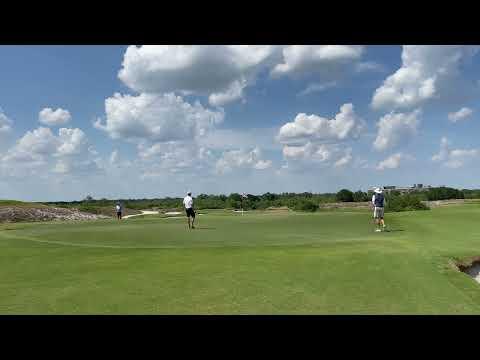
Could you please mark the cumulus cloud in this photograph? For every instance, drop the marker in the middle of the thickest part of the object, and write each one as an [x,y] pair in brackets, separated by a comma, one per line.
[303,59]
[461,114]
[454,158]
[396,128]
[346,124]
[71,142]
[424,72]
[326,154]
[221,71]
[392,162]
[50,117]
[5,123]
[242,159]
[156,118]
[234,92]
[38,147]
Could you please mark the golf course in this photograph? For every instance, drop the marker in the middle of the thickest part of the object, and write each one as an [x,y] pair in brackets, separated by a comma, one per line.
[262,262]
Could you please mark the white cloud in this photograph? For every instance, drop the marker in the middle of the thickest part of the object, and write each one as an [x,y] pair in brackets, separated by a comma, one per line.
[164,157]
[302,59]
[234,92]
[346,124]
[317,87]
[113,157]
[71,142]
[327,154]
[369,66]
[242,159]
[392,162]
[67,166]
[455,158]
[221,70]
[50,117]
[424,71]
[460,114]
[157,118]
[5,123]
[396,128]
[345,160]
[37,148]
[226,139]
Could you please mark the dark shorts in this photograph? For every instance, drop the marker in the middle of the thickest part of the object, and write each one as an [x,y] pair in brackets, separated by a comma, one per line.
[119,213]
[190,212]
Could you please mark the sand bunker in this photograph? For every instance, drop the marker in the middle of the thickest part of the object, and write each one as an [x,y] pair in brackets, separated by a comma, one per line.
[474,271]
[173,213]
[472,268]
[143,213]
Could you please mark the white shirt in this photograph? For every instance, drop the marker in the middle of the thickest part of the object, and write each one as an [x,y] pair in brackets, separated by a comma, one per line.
[118,207]
[188,202]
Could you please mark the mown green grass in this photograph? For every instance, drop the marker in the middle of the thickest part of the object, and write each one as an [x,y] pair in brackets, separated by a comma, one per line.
[258,263]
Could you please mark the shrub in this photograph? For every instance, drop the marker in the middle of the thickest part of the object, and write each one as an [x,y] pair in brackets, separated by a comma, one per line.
[305,205]
[406,202]
[89,209]
[344,195]
[360,196]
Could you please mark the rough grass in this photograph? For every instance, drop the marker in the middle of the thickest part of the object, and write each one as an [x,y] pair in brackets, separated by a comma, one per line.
[258,263]
[8,203]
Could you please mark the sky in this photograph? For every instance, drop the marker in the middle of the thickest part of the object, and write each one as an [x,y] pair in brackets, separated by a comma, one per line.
[154,121]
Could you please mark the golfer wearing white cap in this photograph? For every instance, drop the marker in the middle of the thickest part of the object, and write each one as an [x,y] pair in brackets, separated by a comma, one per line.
[188,203]
[378,202]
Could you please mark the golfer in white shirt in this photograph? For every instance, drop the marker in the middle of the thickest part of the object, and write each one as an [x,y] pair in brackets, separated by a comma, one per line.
[188,203]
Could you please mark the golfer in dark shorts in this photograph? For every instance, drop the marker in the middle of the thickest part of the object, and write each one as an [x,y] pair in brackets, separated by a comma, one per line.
[188,203]
[118,208]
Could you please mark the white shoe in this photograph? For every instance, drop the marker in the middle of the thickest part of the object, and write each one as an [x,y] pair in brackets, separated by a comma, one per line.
[378,230]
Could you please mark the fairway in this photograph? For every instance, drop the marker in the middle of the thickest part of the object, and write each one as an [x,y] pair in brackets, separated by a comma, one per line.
[259,263]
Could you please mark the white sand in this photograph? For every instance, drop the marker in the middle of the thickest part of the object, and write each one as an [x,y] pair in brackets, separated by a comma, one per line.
[144,212]
[474,271]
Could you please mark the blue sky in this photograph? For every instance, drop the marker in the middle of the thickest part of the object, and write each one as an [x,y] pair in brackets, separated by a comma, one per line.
[153,121]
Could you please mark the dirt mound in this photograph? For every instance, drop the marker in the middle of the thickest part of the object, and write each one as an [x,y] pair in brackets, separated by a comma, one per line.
[22,214]
[346,205]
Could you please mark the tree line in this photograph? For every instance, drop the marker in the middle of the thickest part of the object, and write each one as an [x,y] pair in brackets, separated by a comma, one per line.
[305,201]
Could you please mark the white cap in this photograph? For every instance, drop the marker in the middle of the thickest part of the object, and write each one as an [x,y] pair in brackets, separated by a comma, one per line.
[378,190]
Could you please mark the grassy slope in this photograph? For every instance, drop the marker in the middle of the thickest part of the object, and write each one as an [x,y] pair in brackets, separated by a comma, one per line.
[329,262]
[15,203]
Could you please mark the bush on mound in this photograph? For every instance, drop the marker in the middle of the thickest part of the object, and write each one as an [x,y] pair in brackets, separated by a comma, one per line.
[306,206]
[344,195]
[404,203]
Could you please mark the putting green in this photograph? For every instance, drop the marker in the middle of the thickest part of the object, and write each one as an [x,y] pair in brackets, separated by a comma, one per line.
[258,263]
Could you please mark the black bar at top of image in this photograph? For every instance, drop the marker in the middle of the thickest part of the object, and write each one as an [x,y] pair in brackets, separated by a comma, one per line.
[157,23]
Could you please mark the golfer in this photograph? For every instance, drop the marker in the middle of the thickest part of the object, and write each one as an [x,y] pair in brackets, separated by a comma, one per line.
[378,202]
[119,209]
[188,203]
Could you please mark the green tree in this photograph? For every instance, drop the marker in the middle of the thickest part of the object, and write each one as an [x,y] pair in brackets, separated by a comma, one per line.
[344,195]
[360,196]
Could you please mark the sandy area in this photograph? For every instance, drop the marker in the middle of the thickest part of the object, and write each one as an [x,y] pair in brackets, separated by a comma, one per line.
[474,271]
[144,212]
